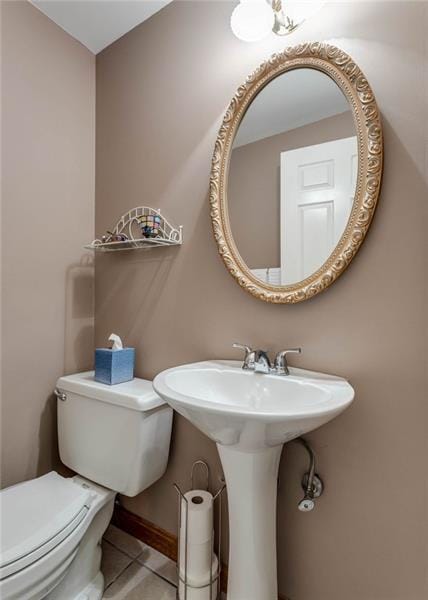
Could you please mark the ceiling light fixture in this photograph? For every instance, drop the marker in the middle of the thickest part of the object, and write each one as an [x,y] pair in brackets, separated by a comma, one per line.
[254,20]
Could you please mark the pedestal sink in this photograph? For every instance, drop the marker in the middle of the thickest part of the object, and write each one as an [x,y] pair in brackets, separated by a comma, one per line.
[250,416]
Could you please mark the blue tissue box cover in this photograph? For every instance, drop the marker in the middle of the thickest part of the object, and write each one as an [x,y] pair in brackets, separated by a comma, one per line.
[114,366]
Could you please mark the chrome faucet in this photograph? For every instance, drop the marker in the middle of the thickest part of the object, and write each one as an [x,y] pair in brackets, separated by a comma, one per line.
[262,362]
[280,364]
[249,358]
[259,362]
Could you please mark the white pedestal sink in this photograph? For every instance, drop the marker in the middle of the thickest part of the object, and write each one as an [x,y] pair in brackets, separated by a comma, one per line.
[250,416]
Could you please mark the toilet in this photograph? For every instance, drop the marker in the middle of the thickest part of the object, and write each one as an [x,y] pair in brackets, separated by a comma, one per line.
[116,438]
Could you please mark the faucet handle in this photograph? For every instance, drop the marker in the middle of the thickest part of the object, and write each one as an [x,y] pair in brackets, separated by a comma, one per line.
[280,364]
[244,347]
[249,355]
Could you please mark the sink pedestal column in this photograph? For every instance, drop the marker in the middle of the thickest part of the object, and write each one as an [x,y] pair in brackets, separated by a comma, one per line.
[251,479]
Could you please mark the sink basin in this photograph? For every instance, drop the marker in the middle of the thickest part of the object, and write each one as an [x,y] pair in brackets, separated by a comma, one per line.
[250,416]
[251,410]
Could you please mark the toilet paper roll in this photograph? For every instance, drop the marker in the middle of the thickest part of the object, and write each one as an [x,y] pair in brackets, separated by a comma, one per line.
[199,516]
[199,589]
[199,528]
[198,560]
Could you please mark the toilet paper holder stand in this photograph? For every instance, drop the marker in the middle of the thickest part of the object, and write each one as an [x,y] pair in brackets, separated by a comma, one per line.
[215,577]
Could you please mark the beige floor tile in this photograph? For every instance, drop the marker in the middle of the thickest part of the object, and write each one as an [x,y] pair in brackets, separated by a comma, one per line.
[138,583]
[123,541]
[160,564]
[113,562]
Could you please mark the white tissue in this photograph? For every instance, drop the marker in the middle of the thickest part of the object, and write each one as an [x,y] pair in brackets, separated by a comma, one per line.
[117,342]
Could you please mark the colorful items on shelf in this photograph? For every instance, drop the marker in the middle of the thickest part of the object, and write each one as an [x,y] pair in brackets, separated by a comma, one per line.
[114,237]
[150,225]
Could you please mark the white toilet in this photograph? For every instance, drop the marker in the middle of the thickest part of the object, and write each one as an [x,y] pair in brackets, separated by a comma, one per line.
[117,439]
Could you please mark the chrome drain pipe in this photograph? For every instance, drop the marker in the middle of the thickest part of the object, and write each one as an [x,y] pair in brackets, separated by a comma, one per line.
[312,484]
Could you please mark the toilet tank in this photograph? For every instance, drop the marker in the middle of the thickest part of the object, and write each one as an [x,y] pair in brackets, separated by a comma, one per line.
[117,436]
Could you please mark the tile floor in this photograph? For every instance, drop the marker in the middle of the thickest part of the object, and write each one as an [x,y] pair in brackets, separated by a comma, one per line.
[134,571]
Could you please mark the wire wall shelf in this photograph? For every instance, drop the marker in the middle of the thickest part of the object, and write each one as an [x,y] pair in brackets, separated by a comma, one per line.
[140,228]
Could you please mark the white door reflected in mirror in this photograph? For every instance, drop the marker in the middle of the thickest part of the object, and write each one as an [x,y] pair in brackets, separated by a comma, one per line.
[317,193]
[292,176]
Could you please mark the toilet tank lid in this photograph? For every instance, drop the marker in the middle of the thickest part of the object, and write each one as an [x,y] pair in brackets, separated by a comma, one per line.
[137,394]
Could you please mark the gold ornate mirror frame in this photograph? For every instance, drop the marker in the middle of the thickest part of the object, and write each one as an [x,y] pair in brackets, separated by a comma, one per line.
[342,69]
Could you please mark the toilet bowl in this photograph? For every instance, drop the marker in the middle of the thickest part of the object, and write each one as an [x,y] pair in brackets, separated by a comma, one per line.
[53,525]
[117,438]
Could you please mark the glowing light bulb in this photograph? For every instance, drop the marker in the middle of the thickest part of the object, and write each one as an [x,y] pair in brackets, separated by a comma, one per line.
[252,20]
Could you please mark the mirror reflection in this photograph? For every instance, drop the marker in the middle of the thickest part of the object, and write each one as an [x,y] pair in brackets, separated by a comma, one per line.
[292,176]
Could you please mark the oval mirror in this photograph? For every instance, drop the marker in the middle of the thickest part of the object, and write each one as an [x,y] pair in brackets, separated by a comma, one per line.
[296,173]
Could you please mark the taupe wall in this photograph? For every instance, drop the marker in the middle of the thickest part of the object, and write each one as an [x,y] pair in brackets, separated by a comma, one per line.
[254,186]
[162,91]
[48,163]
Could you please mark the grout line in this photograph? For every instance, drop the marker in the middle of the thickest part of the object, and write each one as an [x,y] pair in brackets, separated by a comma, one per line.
[140,566]
[143,564]
[117,576]
[157,574]
[123,551]
[134,559]
[124,568]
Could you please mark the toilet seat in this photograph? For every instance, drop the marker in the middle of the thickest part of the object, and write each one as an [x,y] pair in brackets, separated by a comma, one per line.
[41,513]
